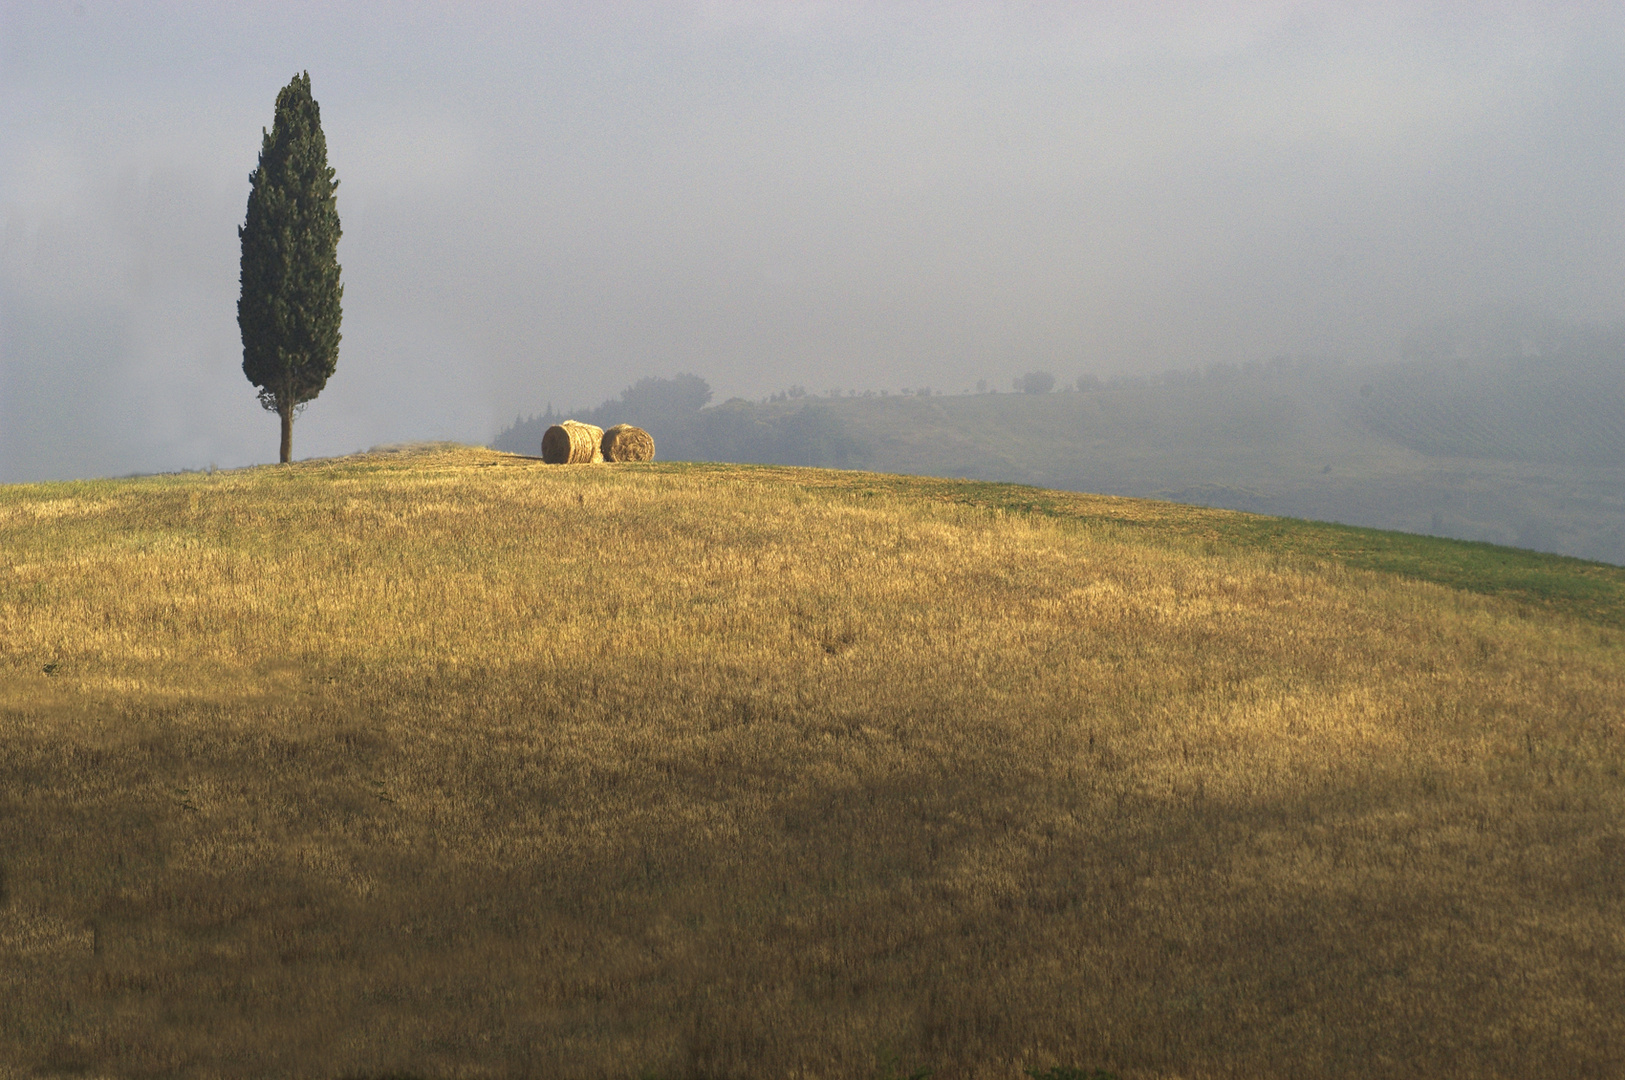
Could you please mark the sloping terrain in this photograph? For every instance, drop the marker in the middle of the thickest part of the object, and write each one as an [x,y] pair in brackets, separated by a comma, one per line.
[449,763]
[1548,411]
[1523,456]
[1529,453]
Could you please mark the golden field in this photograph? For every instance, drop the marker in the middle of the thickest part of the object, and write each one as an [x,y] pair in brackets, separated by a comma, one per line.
[453,764]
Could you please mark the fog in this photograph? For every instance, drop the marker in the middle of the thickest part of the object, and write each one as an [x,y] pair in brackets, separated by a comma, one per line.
[541,206]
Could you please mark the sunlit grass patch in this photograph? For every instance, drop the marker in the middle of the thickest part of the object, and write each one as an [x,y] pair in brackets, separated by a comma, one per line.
[457,764]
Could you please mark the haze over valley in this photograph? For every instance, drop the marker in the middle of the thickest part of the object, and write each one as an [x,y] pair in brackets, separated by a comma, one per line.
[549,205]
[1490,441]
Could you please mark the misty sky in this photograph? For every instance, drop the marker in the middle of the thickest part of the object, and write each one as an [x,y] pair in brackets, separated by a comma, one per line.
[543,203]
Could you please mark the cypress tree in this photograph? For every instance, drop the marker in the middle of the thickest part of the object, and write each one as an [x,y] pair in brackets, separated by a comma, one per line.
[289,308]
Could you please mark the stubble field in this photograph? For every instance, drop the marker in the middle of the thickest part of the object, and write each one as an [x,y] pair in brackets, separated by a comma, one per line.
[456,764]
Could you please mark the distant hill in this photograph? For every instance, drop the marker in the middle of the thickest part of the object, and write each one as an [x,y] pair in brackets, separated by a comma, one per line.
[1525,452]
[1567,411]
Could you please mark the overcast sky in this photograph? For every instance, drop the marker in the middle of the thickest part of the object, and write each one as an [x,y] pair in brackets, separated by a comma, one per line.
[542,203]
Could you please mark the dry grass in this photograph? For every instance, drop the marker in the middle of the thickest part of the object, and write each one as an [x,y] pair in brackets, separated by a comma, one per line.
[386,764]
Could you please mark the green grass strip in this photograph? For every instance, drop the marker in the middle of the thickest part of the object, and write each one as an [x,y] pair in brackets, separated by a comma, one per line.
[1559,584]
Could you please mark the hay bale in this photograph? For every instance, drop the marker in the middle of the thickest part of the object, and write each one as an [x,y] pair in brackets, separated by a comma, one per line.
[572,443]
[623,442]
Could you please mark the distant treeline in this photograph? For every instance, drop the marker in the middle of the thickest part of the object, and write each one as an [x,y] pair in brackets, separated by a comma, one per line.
[1566,404]
[674,412]
[1218,372]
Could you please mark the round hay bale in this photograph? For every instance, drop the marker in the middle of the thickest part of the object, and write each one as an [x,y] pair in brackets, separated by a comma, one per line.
[623,442]
[572,443]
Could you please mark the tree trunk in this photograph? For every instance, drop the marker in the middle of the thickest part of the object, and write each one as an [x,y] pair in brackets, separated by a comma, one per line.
[285,410]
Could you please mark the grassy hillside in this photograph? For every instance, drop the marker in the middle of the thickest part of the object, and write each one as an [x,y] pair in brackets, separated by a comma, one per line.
[458,764]
[1426,452]
[1529,453]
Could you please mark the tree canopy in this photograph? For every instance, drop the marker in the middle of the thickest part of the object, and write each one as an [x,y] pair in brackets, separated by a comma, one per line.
[289,309]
